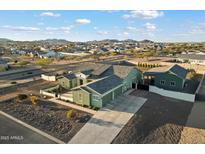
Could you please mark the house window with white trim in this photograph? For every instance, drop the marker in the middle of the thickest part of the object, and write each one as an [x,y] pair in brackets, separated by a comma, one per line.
[173,83]
[162,82]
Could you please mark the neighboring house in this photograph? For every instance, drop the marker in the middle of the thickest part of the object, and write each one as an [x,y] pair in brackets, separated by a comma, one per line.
[51,54]
[50,76]
[168,78]
[99,93]
[3,64]
[192,58]
[68,81]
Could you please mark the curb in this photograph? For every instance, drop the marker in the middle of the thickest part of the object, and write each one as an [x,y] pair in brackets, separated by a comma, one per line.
[32,128]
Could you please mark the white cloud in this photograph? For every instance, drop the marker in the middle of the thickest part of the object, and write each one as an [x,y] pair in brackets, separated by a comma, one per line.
[49,14]
[143,14]
[82,21]
[126,33]
[21,28]
[150,27]
[59,29]
[130,28]
[102,32]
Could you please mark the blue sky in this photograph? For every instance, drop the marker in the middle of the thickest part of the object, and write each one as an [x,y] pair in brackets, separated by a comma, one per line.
[175,26]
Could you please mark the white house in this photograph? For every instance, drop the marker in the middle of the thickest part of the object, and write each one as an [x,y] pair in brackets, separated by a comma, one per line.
[192,58]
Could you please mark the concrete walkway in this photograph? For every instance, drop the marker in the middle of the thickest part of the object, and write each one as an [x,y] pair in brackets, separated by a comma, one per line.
[74,106]
[105,125]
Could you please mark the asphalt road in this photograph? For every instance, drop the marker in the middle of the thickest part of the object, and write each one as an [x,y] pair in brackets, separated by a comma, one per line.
[14,133]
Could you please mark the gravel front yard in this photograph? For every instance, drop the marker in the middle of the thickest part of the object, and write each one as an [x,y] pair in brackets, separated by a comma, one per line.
[47,116]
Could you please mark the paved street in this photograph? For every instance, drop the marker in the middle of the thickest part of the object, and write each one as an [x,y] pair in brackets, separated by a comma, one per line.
[13,133]
[108,121]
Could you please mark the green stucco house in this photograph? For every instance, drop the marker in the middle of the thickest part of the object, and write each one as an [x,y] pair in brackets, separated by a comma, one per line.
[99,93]
[110,82]
[168,78]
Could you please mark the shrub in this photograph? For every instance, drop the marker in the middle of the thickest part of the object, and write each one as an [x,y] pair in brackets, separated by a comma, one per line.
[44,62]
[2,69]
[22,96]
[13,82]
[71,114]
[22,63]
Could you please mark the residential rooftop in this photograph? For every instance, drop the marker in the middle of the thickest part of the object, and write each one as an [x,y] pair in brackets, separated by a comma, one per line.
[106,84]
[176,69]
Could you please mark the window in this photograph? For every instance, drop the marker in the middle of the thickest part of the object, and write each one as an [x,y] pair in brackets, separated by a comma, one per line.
[172,83]
[162,82]
[95,97]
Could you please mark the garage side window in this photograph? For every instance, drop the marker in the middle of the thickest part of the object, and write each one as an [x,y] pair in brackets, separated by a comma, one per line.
[172,83]
[95,97]
[162,82]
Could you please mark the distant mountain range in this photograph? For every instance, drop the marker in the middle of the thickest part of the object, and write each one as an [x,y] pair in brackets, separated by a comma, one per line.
[63,41]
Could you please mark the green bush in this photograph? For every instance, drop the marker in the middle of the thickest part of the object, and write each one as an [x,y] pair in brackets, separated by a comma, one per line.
[2,69]
[44,62]
[22,96]
[71,114]
[22,63]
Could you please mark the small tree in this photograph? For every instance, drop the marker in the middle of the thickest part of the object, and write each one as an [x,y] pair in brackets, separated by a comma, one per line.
[71,114]
[34,100]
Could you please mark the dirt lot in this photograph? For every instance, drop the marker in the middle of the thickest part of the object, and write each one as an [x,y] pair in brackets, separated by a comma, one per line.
[160,120]
[194,132]
[47,116]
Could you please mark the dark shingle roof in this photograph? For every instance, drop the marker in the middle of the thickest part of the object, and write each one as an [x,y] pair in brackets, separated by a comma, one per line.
[179,71]
[70,76]
[87,72]
[176,69]
[105,84]
[101,69]
[122,71]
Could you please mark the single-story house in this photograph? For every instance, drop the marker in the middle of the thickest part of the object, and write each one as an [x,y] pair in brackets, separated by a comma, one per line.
[168,78]
[99,93]
[192,58]
[112,81]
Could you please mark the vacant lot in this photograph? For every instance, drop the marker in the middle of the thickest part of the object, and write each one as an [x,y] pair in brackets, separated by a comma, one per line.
[47,116]
[194,132]
[160,120]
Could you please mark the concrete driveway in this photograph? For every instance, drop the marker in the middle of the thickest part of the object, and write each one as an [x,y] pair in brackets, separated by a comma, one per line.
[14,133]
[105,125]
